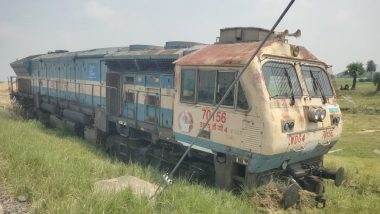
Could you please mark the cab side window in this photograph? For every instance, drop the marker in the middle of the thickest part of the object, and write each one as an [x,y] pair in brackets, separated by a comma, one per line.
[224,81]
[206,86]
[188,78]
[210,87]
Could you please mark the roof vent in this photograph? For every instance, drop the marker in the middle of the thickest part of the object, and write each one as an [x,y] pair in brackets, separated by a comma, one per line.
[180,44]
[242,34]
[144,47]
[58,51]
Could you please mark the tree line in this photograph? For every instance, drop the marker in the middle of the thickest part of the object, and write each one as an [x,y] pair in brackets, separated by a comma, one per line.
[356,69]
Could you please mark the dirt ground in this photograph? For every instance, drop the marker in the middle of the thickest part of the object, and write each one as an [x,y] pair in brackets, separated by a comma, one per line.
[11,205]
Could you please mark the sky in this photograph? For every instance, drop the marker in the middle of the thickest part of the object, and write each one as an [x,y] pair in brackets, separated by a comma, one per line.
[337,32]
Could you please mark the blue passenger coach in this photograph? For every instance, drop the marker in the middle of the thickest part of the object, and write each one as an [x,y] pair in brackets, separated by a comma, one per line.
[71,77]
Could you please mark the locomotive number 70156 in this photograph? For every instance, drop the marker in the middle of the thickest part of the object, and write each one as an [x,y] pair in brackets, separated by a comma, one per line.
[219,116]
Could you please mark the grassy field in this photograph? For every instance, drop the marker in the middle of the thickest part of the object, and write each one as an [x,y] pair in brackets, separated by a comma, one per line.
[364,99]
[57,173]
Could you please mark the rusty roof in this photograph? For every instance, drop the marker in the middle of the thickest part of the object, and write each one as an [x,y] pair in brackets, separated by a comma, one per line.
[236,54]
[221,54]
[306,54]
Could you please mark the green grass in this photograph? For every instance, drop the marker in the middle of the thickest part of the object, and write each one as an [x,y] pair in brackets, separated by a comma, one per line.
[57,173]
[364,99]
[361,191]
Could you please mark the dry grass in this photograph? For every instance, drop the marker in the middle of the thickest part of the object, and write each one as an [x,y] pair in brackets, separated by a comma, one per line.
[4,95]
[269,199]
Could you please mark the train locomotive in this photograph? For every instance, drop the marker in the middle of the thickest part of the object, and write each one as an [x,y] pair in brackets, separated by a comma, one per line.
[148,103]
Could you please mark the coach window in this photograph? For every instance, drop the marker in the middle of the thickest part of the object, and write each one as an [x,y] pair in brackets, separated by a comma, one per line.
[152,100]
[206,86]
[188,78]
[224,81]
[129,80]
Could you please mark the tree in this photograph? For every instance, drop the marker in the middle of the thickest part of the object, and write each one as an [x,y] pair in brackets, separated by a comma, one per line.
[355,69]
[376,81]
[371,67]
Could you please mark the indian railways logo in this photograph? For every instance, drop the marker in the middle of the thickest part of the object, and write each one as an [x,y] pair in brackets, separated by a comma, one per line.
[185,121]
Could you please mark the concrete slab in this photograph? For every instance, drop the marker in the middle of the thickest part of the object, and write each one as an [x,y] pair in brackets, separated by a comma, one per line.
[138,186]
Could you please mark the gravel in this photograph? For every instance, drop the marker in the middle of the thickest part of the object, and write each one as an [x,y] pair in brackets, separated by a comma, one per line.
[11,205]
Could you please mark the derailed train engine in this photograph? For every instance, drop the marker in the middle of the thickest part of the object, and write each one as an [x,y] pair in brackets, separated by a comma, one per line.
[148,103]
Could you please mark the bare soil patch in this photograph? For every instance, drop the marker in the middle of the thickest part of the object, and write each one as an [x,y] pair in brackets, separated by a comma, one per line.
[11,205]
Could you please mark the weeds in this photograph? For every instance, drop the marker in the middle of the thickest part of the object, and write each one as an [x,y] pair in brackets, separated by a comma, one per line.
[57,173]
[15,109]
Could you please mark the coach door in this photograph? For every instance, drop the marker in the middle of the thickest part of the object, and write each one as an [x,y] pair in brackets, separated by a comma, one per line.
[129,97]
[152,106]
[152,99]
[113,95]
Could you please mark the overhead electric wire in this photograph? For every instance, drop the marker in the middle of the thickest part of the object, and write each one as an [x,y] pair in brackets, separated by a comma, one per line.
[167,178]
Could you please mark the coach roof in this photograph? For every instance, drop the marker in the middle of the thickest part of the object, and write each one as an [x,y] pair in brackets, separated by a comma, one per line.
[93,53]
[172,53]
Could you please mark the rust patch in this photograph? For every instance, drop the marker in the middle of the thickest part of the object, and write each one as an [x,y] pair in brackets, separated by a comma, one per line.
[306,54]
[222,54]
[235,54]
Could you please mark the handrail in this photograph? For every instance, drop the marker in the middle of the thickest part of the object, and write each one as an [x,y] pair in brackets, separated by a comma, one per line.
[59,84]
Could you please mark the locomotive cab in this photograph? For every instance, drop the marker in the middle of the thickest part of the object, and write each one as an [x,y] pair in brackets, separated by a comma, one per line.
[282,116]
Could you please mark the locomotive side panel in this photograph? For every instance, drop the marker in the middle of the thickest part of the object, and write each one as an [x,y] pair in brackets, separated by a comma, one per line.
[233,129]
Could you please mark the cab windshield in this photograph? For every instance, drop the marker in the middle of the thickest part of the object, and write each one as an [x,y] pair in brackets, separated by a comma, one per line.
[281,80]
[317,81]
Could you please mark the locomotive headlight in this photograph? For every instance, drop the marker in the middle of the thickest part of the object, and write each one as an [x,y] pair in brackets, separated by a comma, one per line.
[317,114]
[314,115]
[322,114]
[287,126]
[335,120]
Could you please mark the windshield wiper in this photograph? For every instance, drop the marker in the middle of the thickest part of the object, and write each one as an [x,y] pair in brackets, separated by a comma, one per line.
[316,83]
[290,86]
